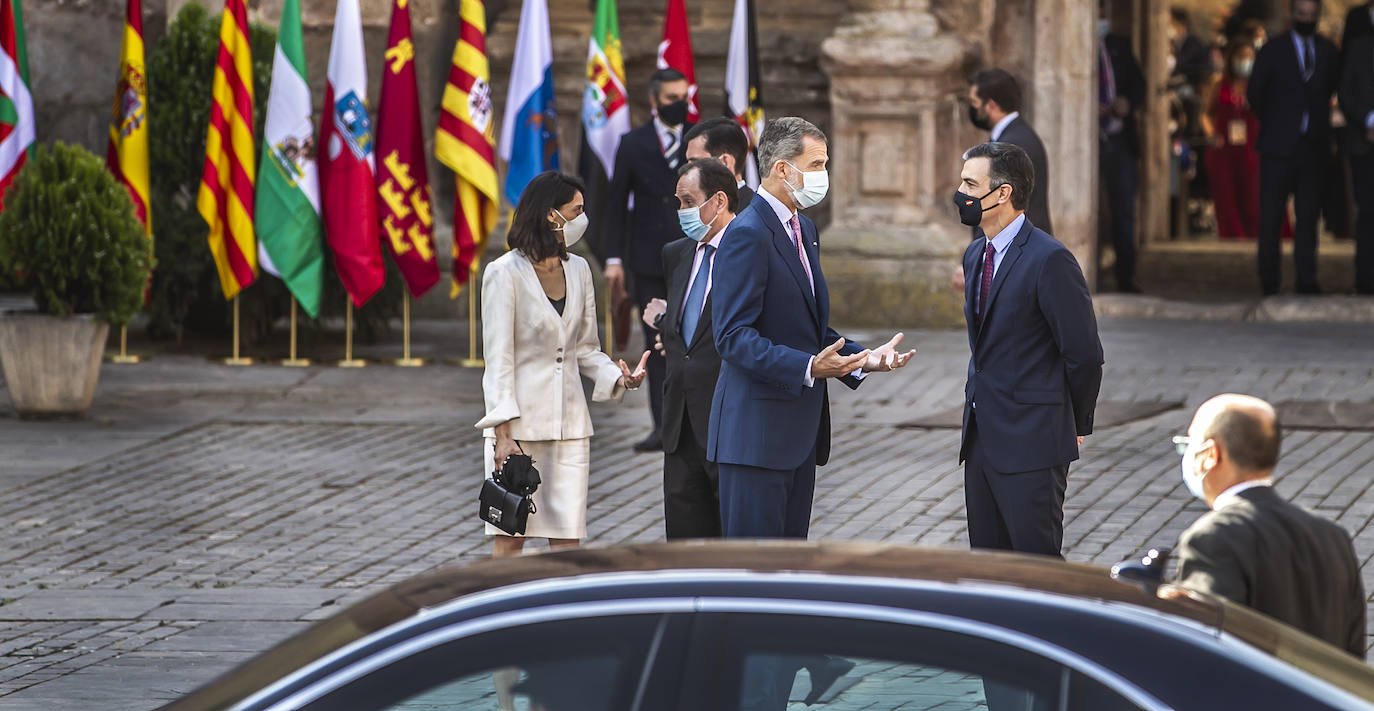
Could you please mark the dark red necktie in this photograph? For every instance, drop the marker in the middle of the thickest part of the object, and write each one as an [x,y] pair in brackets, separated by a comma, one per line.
[985,289]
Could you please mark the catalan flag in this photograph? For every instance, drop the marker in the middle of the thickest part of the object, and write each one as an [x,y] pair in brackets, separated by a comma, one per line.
[465,142]
[127,153]
[16,103]
[226,185]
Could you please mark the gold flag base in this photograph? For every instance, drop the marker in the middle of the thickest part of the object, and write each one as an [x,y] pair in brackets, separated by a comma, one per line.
[123,359]
[296,362]
[236,361]
[348,360]
[408,362]
[351,363]
[472,363]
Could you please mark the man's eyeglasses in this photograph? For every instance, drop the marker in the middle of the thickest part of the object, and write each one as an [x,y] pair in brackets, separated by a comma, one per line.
[1181,443]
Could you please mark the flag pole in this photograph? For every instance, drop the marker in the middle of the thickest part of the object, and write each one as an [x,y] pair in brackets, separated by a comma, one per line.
[293,361]
[405,361]
[472,361]
[349,361]
[236,359]
[124,358]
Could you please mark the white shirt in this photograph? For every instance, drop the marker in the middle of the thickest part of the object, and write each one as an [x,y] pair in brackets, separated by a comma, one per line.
[696,271]
[1002,125]
[1000,243]
[785,216]
[1231,495]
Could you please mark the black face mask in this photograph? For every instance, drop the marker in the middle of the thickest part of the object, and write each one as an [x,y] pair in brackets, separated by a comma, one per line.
[674,114]
[981,123]
[971,208]
[1306,29]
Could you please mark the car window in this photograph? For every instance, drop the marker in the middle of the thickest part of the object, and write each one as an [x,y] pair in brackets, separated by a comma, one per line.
[792,662]
[587,664]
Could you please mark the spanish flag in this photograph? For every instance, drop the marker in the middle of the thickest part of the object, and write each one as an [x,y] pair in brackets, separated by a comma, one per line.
[226,185]
[465,142]
[127,154]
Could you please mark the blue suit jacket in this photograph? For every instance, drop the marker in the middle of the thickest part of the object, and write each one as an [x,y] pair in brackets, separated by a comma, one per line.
[768,325]
[1036,362]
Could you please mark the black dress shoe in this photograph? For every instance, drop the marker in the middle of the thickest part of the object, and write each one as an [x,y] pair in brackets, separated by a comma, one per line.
[652,443]
[825,676]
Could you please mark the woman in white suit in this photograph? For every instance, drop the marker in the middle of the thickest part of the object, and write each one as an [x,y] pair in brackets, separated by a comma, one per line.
[539,338]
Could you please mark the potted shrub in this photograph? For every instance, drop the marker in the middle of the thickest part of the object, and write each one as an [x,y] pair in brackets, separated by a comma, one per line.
[69,237]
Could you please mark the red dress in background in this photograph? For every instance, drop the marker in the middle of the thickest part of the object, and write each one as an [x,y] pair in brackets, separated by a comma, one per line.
[1233,167]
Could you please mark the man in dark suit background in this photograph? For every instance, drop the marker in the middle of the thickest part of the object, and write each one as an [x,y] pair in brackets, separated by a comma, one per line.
[770,415]
[1357,103]
[1359,22]
[1035,364]
[1254,547]
[994,105]
[691,498]
[724,140]
[1120,92]
[646,165]
[1290,91]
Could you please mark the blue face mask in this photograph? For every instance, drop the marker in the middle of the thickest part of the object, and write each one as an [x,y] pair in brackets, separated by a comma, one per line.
[689,219]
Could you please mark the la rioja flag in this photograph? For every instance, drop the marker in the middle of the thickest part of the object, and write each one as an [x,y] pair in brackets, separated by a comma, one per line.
[346,162]
[675,51]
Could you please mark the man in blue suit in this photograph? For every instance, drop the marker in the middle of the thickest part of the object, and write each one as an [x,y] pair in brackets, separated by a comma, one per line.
[1036,361]
[770,415]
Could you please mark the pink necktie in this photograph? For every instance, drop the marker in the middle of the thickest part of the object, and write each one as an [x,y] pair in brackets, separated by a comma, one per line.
[795,226]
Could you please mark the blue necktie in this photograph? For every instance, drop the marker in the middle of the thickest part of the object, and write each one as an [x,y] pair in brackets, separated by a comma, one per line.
[691,312]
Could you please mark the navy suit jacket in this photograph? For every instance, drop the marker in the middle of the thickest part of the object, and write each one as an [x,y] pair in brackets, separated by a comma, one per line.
[1278,95]
[638,236]
[1036,362]
[768,325]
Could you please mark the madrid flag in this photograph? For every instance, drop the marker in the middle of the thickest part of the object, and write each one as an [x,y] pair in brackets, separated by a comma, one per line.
[16,103]
[127,153]
[675,51]
[346,162]
[402,178]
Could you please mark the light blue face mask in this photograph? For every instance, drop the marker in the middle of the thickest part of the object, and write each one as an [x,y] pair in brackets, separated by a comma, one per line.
[689,219]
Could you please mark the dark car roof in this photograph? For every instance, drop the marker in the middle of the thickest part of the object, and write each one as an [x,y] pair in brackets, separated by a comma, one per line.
[902,562]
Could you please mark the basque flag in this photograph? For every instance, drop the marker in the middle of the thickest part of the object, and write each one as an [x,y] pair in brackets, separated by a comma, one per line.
[529,134]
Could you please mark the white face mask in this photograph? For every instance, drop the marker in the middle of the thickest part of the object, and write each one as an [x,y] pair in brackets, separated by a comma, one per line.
[815,184]
[1191,478]
[572,229]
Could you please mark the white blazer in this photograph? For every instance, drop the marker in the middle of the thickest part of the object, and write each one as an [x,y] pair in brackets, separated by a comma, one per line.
[534,357]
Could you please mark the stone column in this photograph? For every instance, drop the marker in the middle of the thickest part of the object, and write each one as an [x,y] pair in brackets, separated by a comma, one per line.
[895,146]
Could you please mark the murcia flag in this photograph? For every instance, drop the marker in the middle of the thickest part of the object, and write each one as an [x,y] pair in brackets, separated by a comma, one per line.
[675,51]
[529,134]
[288,220]
[127,153]
[402,178]
[16,104]
[465,142]
[605,111]
[225,199]
[346,162]
[743,94]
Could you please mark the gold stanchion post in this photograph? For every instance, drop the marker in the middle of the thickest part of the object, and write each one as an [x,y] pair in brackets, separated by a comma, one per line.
[349,361]
[472,361]
[405,361]
[236,359]
[124,357]
[293,361]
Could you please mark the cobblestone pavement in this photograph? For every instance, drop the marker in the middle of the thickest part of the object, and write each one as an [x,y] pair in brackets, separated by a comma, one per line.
[202,513]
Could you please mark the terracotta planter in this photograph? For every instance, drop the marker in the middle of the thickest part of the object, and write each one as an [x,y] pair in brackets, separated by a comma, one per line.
[51,363]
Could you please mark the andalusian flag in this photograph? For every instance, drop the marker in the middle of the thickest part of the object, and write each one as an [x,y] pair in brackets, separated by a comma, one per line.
[402,178]
[16,104]
[466,143]
[127,153]
[605,111]
[288,210]
[226,185]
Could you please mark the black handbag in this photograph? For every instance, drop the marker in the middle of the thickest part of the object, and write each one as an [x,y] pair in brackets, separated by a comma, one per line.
[505,498]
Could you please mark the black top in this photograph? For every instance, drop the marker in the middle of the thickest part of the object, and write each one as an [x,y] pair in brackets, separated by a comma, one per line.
[558,304]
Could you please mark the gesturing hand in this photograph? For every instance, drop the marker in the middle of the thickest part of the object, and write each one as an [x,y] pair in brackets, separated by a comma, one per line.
[653,310]
[631,381]
[830,364]
[886,358]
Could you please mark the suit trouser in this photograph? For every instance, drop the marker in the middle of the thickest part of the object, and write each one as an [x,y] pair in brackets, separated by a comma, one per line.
[691,489]
[646,287]
[1300,175]
[1021,512]
[1362,180]
[1118,165]
[767,503]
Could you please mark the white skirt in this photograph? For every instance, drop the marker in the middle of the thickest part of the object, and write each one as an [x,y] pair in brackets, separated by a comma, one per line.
[560,502]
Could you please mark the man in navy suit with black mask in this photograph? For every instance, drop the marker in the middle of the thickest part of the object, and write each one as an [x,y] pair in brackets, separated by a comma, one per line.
[770,416]
[1036,361]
